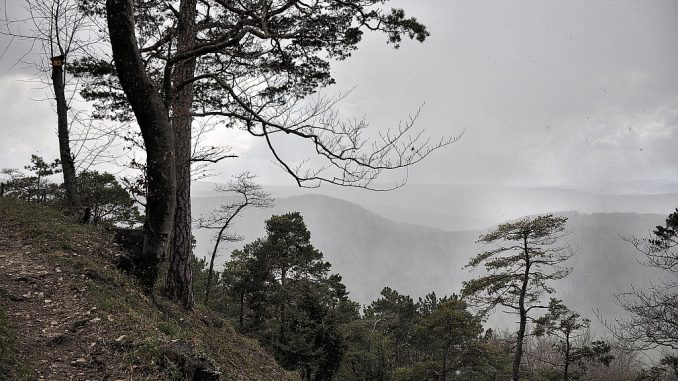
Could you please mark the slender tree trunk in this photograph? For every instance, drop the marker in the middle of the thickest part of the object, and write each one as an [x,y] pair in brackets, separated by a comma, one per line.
[67,163]
[519,346]
[444,372]
[523,316]
[156,131]
[179,276]
[216,247]
[214,255]
[37,192]
[241,312]
[283,276]
[566,370]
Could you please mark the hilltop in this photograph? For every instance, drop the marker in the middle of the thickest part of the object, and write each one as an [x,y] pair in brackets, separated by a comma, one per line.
[67,313]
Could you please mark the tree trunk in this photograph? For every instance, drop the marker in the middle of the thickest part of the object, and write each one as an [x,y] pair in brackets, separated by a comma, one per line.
[566,370]
[214,255]
[241,312]
[179,276]
[283,276]
[523,316]
[443,376]
[37,191]
[67,164]
[519,346]
[153,120]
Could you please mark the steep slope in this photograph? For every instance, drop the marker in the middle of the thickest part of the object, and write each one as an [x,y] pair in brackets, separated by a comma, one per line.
[371,252]
[73,316]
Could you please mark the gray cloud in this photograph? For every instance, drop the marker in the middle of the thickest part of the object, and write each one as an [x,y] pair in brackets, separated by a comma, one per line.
[550,93]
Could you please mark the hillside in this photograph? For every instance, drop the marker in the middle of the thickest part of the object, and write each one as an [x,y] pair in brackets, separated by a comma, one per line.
[371,252]
[66,313]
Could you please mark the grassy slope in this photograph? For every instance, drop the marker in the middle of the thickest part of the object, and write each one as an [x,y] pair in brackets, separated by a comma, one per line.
[131,331]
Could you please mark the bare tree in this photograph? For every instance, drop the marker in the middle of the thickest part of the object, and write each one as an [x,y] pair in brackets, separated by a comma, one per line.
[248,194]
[654,311]
[61,31]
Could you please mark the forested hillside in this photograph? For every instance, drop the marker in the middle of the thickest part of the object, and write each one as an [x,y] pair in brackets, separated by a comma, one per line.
[372,252]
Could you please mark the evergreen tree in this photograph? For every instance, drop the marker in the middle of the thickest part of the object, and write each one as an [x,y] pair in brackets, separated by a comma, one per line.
[42,169]
[251,63]
[568,326]
[519,269]
[107,200]
[286,297]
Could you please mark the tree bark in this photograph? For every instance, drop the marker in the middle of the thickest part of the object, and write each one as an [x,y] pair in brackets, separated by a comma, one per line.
[566,368]
[151,114]
[67,162]
[211,269]
[241,311]
[179,276]
[523,316]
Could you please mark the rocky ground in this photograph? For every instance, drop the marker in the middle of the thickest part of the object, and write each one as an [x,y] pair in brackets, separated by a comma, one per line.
[68,314]
[61,335]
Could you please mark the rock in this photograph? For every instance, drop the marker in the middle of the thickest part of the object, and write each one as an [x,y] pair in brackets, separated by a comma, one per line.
[76,324]
[58,339]
[11,296]
[193,367]
[79,362]
[25,278]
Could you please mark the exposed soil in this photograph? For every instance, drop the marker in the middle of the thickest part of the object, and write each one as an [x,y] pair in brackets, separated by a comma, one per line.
[74,316]
[60,334]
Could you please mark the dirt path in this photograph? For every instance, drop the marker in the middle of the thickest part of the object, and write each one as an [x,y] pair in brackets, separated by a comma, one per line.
[60,335]
[74,316]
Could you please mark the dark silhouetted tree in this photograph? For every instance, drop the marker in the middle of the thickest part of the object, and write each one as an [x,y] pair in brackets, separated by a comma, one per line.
[152,116]
[255,64]
[567,328]
[247,194]
[654,311]
[520,267]
[287,298]
[108,201]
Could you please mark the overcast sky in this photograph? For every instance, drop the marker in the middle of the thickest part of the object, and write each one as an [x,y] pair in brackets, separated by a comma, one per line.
[576,93]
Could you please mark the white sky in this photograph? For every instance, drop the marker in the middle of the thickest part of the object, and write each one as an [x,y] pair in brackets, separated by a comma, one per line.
[576,93]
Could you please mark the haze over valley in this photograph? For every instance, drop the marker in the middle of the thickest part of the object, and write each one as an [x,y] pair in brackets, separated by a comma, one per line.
[417,239]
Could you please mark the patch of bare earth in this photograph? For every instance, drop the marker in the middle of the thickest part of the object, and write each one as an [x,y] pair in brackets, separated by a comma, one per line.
[75,317]
[60,334]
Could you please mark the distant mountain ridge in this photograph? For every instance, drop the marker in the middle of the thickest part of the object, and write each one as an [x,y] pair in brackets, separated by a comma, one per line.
[464,207]
[371,251]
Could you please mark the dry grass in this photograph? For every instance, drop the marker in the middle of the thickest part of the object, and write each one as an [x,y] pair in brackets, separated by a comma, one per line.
[126,333]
